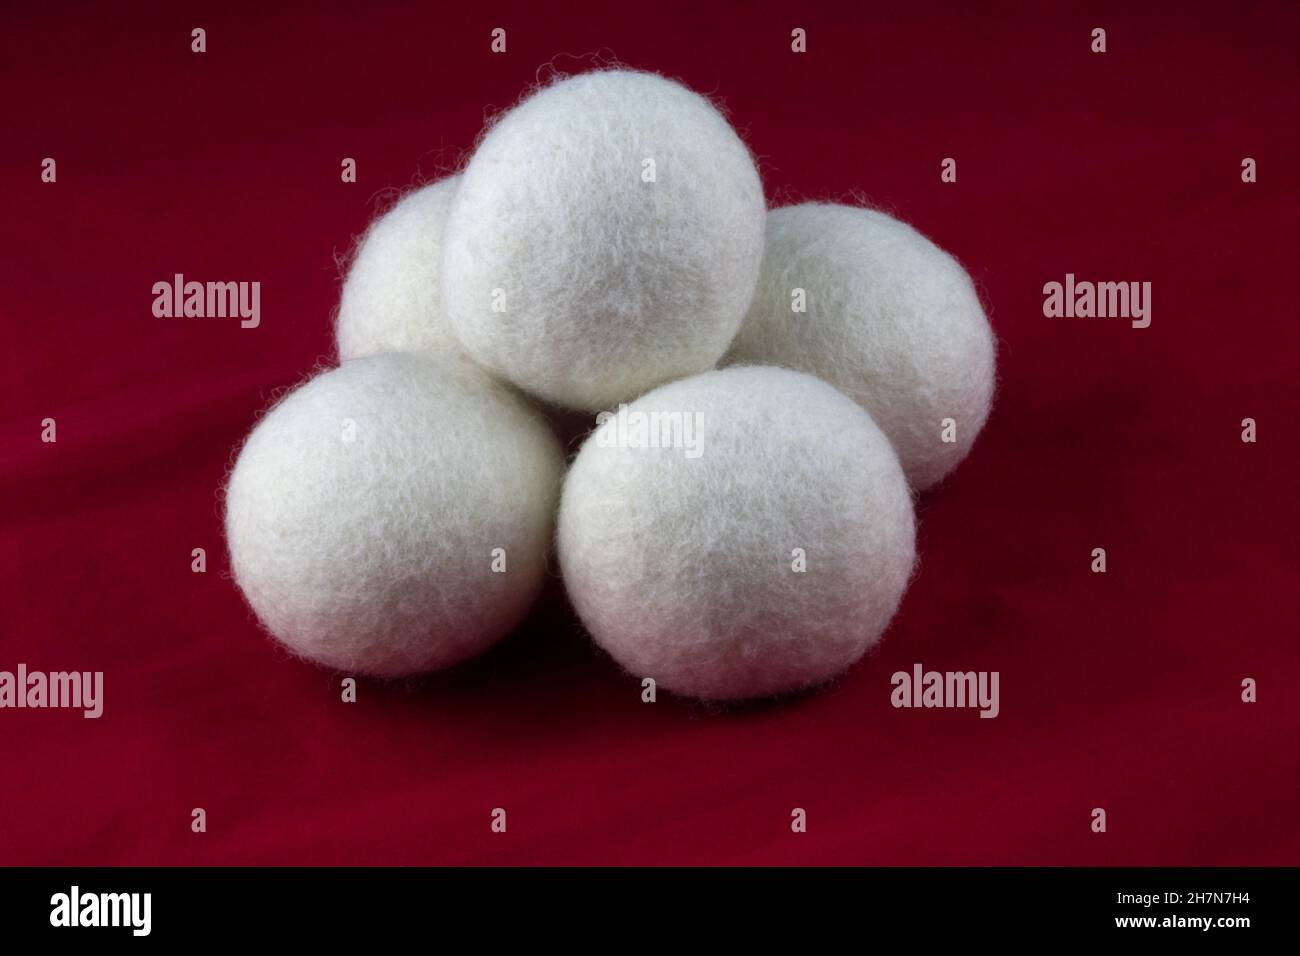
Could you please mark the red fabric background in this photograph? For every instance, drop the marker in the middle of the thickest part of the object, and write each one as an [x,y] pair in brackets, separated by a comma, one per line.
[1118,691]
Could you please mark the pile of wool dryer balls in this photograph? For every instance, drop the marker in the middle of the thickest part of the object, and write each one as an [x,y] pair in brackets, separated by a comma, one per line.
[768,391]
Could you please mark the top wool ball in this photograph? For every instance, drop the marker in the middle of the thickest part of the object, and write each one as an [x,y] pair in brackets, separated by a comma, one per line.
[605,238]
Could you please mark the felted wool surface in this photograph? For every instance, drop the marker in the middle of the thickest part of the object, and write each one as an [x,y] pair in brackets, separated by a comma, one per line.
[683,568]
[391,299]
[568,273]
[364,509]
[891,320]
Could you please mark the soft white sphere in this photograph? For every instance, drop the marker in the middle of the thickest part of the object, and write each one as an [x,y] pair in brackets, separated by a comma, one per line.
[891,320]
[365,513]
[392,300]
[761,554]
[605,238]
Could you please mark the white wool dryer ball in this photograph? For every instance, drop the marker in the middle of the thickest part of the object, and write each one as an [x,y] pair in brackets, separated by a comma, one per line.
[740,533]
[370,514]
[392,300]
[891,320]
[605,238]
